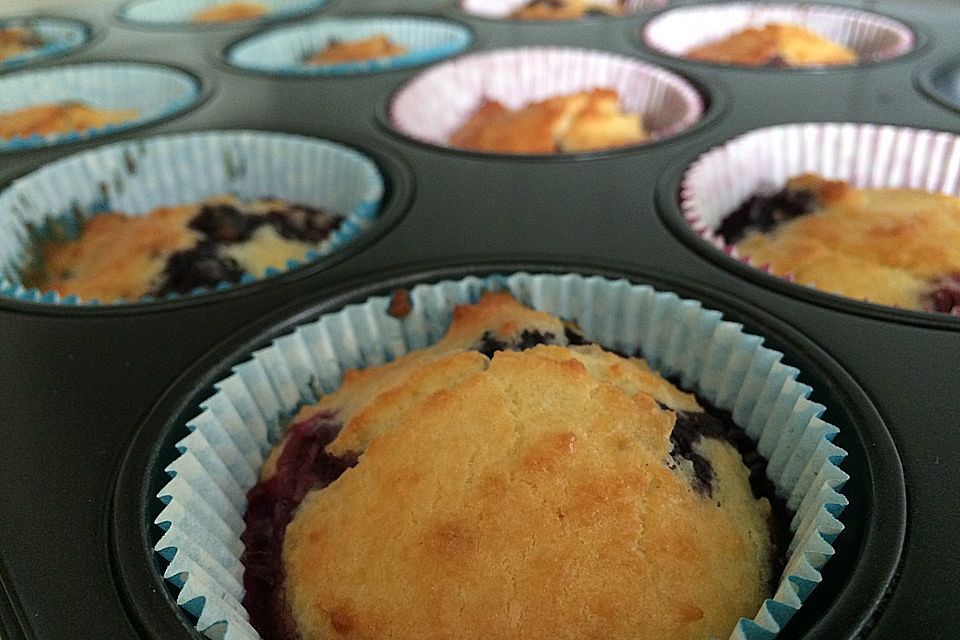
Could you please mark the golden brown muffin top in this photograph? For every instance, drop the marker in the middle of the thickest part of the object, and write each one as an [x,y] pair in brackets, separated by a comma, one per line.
[585,121]
[531,495]
[119,256]
[774,44]
[566,9]
[17,40]
[230,12]
[883,245]
[376,47]
[61,117]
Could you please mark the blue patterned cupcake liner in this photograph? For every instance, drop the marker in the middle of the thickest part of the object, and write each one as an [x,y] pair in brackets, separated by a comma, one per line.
[137,176]
[283,51]
[155,91]
[170,13]
[229,440]
[59,36]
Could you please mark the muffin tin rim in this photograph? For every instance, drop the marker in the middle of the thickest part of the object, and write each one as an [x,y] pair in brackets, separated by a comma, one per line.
[399,191]
[917,46]
[90,32]
[667,197]
[204,91]
[222,55]
[138,575]
[119,16]
[713,105]
[923,80]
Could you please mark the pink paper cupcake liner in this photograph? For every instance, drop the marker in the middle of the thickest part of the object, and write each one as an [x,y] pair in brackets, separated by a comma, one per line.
[864,155]
[501,9]
[872,37]
[437,102]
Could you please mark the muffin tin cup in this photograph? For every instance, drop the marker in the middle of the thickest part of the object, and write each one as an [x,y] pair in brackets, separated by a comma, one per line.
[437,102]
[502,9]
[60,36]
[246,414]
[178,13]
[155,91]
[137,176]
[874,38]
[864,155]
[282,51]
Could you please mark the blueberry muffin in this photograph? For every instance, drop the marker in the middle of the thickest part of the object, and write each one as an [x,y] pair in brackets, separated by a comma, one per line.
[511,481]
[62,117]
[566,9]
[230,12]
[898,247]
[774,45]
[585,121]
[175,249]
[17,40]
[376,47]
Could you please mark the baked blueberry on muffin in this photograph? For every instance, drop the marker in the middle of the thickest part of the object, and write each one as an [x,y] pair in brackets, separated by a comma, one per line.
[62,117]
[585,121]
[566,9]
[774,45]
[897,247]
[17,40]
[376,47]
[511,481]
[175,249]
[230,12]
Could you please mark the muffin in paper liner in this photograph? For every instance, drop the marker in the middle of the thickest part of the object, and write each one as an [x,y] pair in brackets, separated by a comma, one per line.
[864,155]
[229,440]
[171,13]
[59,35]
[871,36]
[155,91]
[137,176]
[438,101]
[501,9]
[283,51]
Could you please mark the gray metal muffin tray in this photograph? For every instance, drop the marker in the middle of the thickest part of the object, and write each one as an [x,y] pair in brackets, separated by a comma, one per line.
[91,397]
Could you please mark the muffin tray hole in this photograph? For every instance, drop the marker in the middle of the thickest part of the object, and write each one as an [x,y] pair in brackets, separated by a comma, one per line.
[854,581]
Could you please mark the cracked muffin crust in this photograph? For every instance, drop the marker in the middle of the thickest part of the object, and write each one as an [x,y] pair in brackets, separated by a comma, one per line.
[176,249]
[376,47]
[511,481]
[898,247]
[62,117]
[585,121]
[774,45]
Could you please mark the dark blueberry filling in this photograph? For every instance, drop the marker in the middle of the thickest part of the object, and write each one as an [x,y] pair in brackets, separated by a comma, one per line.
[201,266]
[946,297]
[303,465]
[762,212]
[222,224]
[718,424]
[490,343]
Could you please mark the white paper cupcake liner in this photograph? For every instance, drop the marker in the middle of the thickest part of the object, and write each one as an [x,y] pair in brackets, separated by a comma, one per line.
[864,155]
[155,91]
[437,102]
[282,51]
[180,12]
[872,37]
[138,176]
[501,9]
[220,458]
[59,36]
